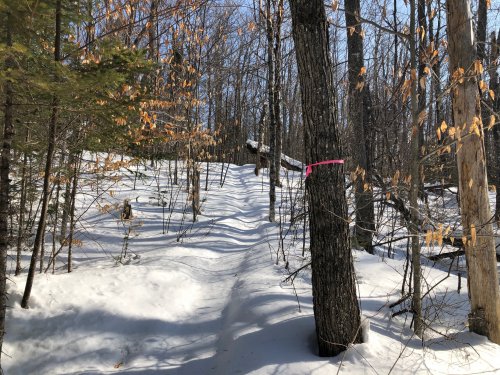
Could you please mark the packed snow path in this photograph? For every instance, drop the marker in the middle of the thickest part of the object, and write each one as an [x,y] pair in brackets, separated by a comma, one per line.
[212,301]
[190,307]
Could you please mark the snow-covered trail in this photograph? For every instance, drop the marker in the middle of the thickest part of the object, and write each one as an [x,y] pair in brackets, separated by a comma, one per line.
[242,300]
[212,301]
[186,308]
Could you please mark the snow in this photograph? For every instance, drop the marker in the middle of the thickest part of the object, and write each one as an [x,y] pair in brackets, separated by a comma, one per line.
[209,298]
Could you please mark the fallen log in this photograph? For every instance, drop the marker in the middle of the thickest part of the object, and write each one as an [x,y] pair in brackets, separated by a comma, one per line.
[286,161]
[452,254]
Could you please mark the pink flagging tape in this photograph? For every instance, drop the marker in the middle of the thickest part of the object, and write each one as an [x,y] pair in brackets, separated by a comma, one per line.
[309,167]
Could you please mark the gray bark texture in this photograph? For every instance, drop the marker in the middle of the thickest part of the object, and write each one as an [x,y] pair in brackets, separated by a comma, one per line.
[336,309]
[358,117]
[8,134]
[415,173]
[484,296]
[495,87]
[272,116]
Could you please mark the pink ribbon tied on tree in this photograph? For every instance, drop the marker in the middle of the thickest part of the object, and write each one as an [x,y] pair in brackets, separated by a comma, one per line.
[309,167]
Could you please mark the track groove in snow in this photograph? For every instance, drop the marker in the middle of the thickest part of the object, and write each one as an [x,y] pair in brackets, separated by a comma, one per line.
[212,303]
[175,308]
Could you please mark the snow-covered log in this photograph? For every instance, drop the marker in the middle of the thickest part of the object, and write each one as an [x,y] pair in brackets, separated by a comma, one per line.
[286,161]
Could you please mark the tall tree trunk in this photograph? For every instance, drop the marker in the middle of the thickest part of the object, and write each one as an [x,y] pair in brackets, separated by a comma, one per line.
[67,197]
[89,29]
[484,293]
[8,134]
[358,117]
[482,22]
[336,309]
[495,87]
[210,150]
[272,116]
[48,164]
[421,85]
[496,137]
[74,188]
[415,179]
[153,53]
[434,39]
[260,139]
[22,212]
[278,124]
[195,192]
[131,21]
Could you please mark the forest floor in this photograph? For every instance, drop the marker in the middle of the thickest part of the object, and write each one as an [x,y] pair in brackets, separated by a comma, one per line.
[209,298]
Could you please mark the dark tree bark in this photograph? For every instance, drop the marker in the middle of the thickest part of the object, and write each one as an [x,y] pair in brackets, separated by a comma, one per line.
[336,309]
[22,212]
[482,277]
[358,116]
[434,39]
[67,197]
[48,165]
[58,189]
[260,139]
[195,193]
[421,84]
[8,134]
[209,124]
[415,181]
[272,116]
[495,87]
[482,22]
[75,172]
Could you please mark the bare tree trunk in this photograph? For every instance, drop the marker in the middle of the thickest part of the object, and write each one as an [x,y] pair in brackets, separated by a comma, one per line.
[195,192]
[496,135]
[22,211]
[210,150]
[336,309]
[48,164]
[358,117]
[278,124]
[74,188]
[484,293]
[434,38]
[176,161]
[130,26]
[67,197]
[8,134]
[415,180]
[272,117]
[421,34]
[260,139]
[482,22]
[495,86]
